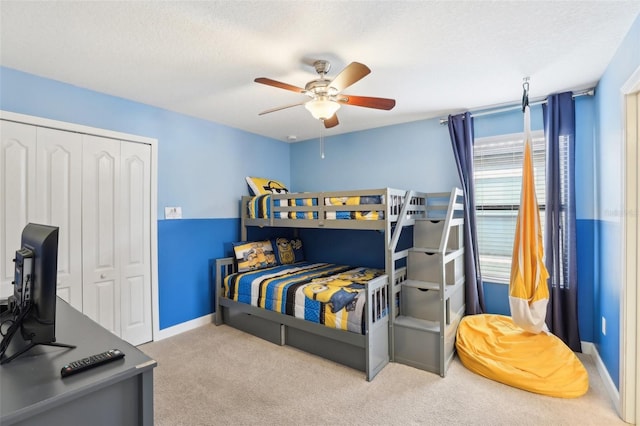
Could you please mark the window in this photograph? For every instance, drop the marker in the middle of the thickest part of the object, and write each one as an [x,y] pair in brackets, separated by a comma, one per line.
[497,173]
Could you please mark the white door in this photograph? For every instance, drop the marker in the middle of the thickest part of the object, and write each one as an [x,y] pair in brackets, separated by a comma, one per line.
[17,193]
[116,229]
[135,237]
[100,223]
[59,203]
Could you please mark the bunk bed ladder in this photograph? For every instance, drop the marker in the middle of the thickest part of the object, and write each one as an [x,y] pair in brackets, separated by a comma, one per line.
[405,217]
[432,296]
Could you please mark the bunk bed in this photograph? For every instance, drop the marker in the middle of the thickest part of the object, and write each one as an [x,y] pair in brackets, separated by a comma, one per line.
[386,210]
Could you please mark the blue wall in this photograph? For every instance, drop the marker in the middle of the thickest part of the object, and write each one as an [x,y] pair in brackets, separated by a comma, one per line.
[609,197]
[414,155]
[184,250]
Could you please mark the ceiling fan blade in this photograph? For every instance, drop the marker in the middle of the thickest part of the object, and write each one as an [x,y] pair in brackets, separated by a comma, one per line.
[279,84]
[351,74]
[331,121]
[279,108]
[368,102]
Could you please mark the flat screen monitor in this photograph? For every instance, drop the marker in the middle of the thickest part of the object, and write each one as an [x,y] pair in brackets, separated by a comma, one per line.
[33,304]
[41,241]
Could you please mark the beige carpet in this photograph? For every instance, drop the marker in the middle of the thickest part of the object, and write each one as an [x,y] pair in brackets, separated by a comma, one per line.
[222,376]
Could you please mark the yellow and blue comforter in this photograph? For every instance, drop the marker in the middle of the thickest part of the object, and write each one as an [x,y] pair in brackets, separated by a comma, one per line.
[322,293]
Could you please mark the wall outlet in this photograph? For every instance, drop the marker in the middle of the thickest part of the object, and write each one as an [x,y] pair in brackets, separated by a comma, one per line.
[604,326]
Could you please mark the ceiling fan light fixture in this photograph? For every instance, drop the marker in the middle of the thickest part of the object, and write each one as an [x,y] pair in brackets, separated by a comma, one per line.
[325,95]
[322,108]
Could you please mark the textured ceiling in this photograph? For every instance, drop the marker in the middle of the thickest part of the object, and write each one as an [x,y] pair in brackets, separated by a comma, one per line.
[200,58]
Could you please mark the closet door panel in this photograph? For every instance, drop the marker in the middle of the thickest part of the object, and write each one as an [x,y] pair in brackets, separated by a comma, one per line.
[17,193]
[100,225]
[59,203]
[135,253]
[101,297]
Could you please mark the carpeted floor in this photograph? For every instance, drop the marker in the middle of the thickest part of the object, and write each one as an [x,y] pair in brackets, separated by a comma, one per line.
[222,376]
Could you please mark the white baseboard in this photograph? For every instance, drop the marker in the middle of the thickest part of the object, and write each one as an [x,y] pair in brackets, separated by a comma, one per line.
[590,349]
[185,326]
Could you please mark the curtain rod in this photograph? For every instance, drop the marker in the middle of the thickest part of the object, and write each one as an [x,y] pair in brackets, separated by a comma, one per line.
[586,92]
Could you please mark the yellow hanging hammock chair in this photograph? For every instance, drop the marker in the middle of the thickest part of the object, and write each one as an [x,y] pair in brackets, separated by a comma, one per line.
[519,350]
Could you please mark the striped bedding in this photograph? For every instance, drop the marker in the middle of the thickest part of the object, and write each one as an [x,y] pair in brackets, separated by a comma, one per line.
[260,207]
[322,293]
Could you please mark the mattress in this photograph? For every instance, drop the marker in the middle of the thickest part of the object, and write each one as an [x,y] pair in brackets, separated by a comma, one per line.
[259,207]
[322,293]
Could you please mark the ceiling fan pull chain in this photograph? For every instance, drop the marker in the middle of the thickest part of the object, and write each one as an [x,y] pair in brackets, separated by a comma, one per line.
[322,142]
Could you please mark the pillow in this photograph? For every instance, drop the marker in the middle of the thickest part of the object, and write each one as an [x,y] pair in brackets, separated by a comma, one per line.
[259,186]
[253,255]
[288,250]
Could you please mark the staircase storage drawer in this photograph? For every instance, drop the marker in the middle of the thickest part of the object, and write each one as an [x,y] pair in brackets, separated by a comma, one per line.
[417,348]
[426,267]
[427,234]
[421,304]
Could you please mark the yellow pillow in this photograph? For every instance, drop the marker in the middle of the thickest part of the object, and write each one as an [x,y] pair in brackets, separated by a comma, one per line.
[252,255]
[287,250]
[259,186]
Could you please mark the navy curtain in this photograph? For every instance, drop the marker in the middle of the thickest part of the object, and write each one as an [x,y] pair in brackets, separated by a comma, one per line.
[560,216]
[461,132]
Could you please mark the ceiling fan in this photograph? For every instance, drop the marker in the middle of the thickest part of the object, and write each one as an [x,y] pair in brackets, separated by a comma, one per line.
[325,94]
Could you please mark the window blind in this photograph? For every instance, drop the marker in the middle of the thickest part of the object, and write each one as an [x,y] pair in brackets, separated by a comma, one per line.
[497,173]
[563,158]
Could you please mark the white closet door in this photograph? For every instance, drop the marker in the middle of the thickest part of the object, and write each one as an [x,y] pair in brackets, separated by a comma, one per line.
[135,237]
[59,203]
[97,190]
[100,220]
[17,193]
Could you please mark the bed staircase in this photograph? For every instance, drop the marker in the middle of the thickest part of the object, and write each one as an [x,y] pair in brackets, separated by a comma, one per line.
[431,299]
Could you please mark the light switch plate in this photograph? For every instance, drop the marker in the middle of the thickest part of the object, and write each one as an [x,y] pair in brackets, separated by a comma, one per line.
[173,212]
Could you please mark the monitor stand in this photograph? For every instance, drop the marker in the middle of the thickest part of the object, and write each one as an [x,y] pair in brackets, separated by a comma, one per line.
[31,345]
[10,333]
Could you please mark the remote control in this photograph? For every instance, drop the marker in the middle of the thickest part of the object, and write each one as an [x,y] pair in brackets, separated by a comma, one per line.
[90,362]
